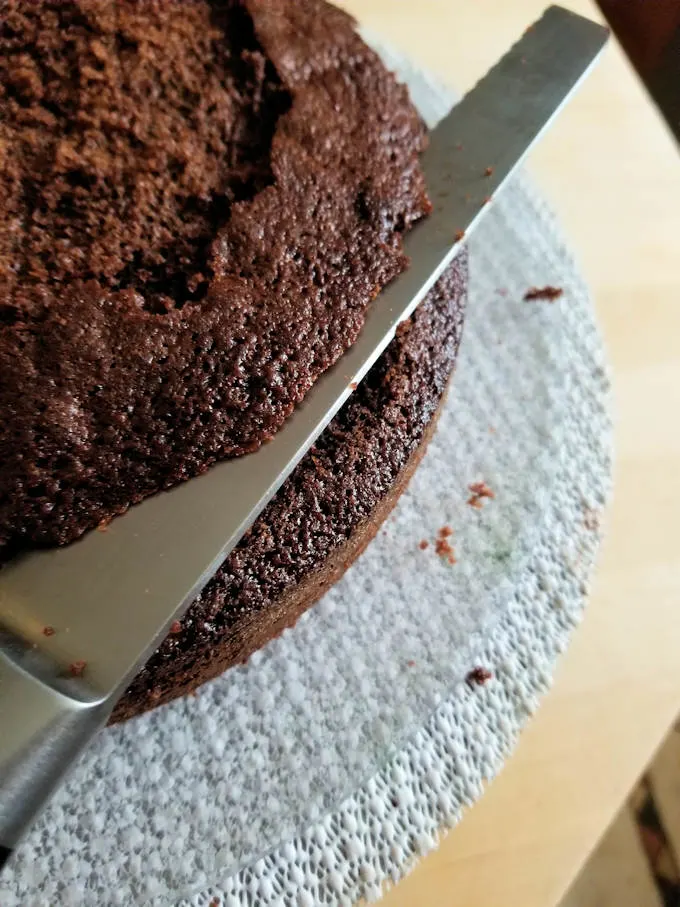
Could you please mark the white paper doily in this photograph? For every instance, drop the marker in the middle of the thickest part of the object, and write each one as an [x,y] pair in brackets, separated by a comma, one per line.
[185,798]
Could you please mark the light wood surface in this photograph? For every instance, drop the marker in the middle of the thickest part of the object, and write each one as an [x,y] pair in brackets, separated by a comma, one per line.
[613,173]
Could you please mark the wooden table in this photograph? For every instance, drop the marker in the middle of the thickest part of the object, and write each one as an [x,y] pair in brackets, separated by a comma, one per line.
[613,173]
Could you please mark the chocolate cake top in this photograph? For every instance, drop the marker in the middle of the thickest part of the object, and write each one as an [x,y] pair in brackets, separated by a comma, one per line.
[200,199]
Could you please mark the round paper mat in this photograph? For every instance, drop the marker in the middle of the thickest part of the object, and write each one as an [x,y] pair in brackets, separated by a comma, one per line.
[193,794]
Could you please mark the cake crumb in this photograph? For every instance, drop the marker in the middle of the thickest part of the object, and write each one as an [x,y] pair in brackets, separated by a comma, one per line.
[478,677]
[486,200]
[77,668]
[488,171]
[175,627]
[548,293]
[410,663]
[103,526]
[443,549]
[502,292]
[354,385]
[492,430]
[48,631]
[458,235]
[480,490]
[445,532]
[424,544]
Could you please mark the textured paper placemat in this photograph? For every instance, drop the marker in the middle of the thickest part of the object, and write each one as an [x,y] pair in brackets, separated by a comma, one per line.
[169,803]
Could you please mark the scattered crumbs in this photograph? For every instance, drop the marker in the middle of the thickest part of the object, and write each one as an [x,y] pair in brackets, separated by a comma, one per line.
[411,663]
[103,526]
[77,668]
[443,549]
[478,677]
[548,293]
[488,171]
[424,544]
[591,519]
[445,532]
[175,627]
[486,200]
[458,235]
[354,385]
[502,291]
[48,631]
[480,490]
[214,903]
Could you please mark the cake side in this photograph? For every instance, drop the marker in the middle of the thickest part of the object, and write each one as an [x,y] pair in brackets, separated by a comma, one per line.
[171,286]
[326,512]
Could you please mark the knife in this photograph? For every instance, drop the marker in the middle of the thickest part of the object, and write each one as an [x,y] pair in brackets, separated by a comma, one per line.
[113,595]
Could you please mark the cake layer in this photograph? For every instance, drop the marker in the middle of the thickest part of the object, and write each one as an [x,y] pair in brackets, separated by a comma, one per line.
[324,515]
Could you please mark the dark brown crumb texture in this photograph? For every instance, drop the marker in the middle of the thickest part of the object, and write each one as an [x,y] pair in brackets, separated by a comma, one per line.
[548,293]
[326,512]
[200,199]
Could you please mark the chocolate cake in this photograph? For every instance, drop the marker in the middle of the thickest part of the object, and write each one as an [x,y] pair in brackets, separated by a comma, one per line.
[201,198]
[324,515]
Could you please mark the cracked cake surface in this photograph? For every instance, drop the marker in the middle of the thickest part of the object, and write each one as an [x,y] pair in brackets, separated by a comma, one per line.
[200,200]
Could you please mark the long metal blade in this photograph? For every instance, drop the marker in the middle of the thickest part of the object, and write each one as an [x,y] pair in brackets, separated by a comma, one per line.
[111,596]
